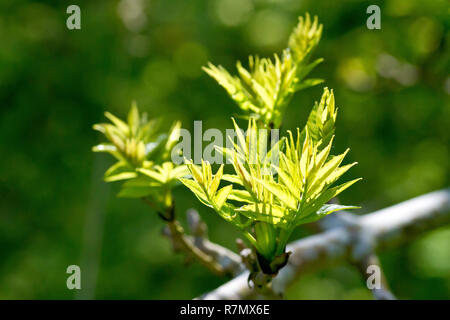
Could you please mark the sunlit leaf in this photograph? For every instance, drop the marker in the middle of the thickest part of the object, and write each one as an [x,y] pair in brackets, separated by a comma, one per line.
[195,188]
[241,196]
[222,196]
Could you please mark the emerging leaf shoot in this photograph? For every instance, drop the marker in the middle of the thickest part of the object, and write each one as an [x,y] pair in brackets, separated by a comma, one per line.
[143,157]
[268,201]
[264,89]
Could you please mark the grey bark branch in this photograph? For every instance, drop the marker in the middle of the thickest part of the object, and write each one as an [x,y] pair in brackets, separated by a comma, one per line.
[375,231]
[363,255]
[229,260]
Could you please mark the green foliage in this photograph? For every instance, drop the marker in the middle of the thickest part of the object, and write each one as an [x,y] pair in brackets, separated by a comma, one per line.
[143,157]
[264,90]
[271,192]
[274,199]
[398,133]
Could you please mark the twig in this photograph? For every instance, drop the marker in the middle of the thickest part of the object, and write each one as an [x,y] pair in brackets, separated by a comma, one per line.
[387,228]
[216,258]
[178,237]
[230,261]
[362,255]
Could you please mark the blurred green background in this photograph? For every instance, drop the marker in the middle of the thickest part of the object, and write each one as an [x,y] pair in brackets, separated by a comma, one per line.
[392,87]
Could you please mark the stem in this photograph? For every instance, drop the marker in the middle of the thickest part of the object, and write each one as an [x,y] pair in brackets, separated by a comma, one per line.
[178,237]
[283,239]
[177,233]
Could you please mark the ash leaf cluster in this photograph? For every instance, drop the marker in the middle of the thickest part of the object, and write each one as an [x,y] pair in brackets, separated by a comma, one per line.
[143,157]
[268,201]
[273,187]
[265,88]
[272,193]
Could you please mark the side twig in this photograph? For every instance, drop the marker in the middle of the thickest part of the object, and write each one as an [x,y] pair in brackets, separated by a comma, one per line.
[216,258]
[362,256]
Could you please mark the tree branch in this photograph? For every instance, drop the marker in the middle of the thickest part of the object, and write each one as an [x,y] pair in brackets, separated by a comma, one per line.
[180,240]
[363,255]
[381,229]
